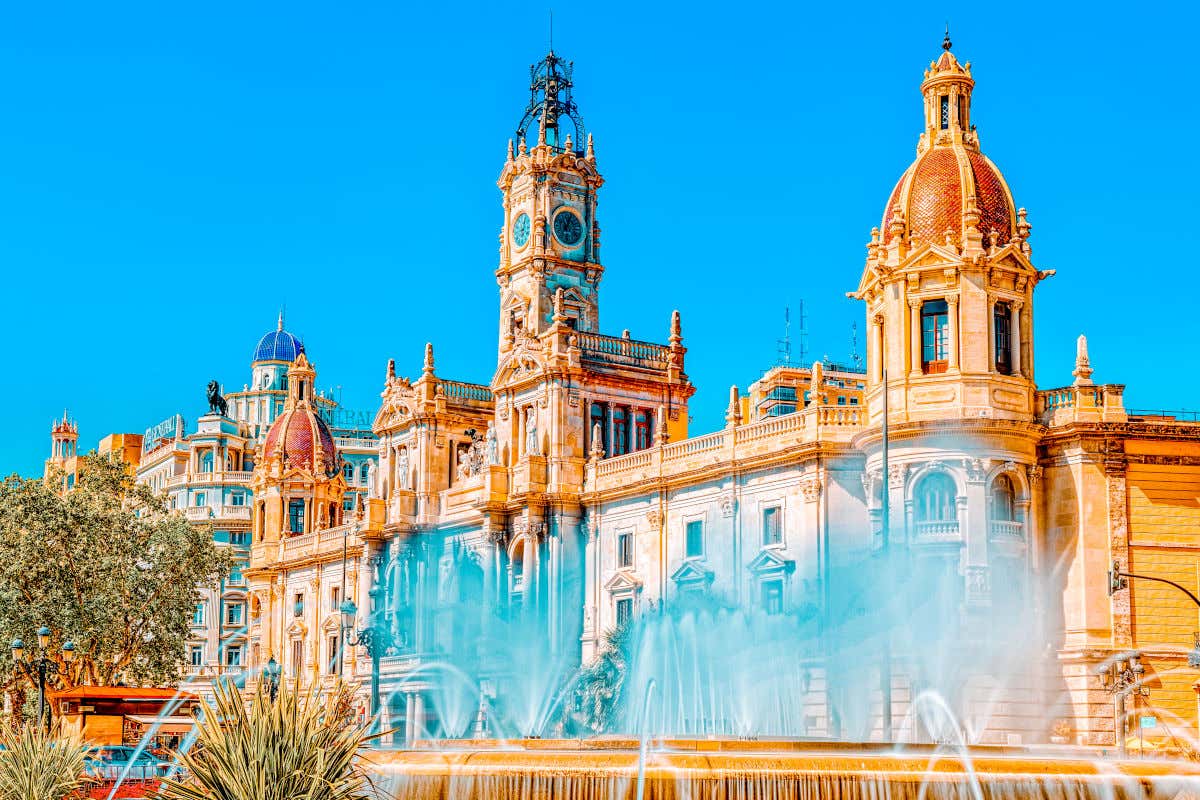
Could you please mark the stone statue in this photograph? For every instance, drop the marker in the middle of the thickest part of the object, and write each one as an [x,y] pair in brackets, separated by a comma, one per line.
[531,433]
[493,447]
[216,403]
[464,461]
[402,476]
[372,481]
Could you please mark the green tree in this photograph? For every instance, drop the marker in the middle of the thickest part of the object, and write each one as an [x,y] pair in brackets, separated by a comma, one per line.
[106,566]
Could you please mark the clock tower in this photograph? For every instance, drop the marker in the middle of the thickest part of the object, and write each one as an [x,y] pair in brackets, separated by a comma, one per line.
[550,240]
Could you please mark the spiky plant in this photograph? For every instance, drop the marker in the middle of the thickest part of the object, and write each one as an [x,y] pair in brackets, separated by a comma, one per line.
[37,765]
[300,746]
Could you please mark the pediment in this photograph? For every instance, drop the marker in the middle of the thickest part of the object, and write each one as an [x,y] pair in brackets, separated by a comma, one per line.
[623,581]
[297,630]
[520,363]
[399,400]
[770,560]
[692,571]
[332,623]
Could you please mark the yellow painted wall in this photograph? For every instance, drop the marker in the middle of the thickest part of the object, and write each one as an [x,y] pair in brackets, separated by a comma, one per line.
[1164,534]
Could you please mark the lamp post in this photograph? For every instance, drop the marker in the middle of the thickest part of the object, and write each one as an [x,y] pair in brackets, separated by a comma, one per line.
[375,637]
[271,673]
[1122,678]
[42,667]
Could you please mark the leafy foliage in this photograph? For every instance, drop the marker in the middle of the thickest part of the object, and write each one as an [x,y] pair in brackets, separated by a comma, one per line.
[600,685]
[298,747]
[106,566]
[36,765]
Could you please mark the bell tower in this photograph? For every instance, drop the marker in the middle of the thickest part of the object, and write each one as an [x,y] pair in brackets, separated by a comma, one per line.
[550,240]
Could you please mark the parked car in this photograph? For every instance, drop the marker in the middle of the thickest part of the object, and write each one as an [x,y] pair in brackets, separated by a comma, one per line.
[110,762]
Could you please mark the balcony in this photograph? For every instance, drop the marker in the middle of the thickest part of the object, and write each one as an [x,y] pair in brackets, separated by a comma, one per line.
[619,351]
[1005,531]
[223,513]
[237,477]
[938,531]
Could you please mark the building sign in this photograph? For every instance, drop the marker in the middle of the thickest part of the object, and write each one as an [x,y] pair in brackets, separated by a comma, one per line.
[167,429]
[1149,722]
[348,418]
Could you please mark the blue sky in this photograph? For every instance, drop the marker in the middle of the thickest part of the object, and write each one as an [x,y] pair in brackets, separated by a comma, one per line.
[171,174]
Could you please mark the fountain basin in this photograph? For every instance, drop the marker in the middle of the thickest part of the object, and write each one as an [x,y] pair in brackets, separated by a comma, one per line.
[592,769]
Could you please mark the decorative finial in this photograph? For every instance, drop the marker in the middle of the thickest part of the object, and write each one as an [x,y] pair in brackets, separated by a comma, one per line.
[391,370]
[597,451]
[676,337]
[591,148]
[280,326]
[568,145]
[1083,367]
[510,150]
[946,41]
[427,369]
[661,434]
[559,316]
[733,413]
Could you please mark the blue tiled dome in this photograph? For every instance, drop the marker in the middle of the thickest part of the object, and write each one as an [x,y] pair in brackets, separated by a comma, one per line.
[278,345]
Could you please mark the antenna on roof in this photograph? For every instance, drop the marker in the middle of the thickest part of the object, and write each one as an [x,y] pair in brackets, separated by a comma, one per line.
[803,336]
[855,358]
[552,30]
[784,346]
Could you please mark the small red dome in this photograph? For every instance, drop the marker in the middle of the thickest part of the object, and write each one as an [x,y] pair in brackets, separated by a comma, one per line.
[933,194]
[297,435]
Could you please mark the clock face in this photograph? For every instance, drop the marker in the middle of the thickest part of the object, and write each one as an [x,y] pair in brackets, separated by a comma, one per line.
[568,229]
[521,230]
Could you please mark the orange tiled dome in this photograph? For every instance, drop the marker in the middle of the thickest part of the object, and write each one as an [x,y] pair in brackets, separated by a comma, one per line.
[934,191]
[298,435]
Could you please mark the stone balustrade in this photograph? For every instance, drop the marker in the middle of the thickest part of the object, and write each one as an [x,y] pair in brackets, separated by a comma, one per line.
[937,531]
[1081,403]
[354,443]
[238,477]
[458,390]
[620,351]
[810,424]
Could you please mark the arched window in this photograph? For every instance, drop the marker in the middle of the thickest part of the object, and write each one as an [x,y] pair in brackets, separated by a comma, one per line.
[936,499]
[206,461]
[1003,505]
[363,472]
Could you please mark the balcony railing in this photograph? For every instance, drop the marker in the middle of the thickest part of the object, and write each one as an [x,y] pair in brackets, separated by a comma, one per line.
[624,352]
[1003,530]
[457,390]
[355,443]
[203,513]
[238,477]
[939,530]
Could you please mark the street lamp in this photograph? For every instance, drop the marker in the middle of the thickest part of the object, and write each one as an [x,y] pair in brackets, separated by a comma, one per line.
[1121,678]
[40,668]
[271,673]
[374,637]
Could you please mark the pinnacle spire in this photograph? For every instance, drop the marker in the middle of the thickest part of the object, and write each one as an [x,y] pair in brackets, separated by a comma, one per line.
[946,45]
[427,369]
[279,327]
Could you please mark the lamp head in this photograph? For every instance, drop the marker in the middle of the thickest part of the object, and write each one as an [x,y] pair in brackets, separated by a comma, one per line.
[68,652]
[43,636]
[18,649]
[349,613]
[272,669]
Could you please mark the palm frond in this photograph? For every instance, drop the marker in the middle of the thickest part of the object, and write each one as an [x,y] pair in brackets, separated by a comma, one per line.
[40,765]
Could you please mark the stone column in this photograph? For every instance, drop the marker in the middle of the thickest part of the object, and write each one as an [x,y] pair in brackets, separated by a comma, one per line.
[528,573]
[952,317]
[914,313]
[877,347]
[1015,336]
[991,332]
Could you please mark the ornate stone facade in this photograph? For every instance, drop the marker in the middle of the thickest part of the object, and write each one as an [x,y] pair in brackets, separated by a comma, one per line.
[568,486]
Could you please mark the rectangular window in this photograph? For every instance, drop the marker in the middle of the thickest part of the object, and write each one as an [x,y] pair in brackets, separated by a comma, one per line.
[198,614]
[772,529]
[196,655]
[624,610]
[853,401]
[841,399]
[237,499]
[620,432]
[772,596]
[239,538]
[297,657]
[695,539]
[233,614]
[1003,343]
[335,598]
[233,656]
[335,655]
[935,336]
[298,605]
[945,111]
[625,550]
[199,499]
[235,576]
[296,516]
